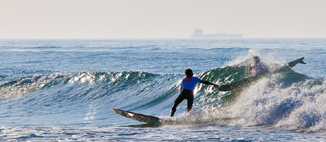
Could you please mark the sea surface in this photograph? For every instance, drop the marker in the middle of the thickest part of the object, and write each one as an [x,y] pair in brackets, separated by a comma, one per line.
[64,90]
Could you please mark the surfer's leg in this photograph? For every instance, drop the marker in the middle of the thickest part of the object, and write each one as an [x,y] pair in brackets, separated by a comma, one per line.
[190,101]
[177,102]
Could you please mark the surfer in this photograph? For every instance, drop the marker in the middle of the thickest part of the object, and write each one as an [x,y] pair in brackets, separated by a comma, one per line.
[187,90]
[257,67]
[256,71]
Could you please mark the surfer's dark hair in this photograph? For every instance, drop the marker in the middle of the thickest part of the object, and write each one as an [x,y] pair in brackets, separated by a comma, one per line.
[188,72]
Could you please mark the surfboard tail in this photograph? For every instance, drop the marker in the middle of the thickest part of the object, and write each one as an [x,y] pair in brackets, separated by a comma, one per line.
[297,61]
[137,116]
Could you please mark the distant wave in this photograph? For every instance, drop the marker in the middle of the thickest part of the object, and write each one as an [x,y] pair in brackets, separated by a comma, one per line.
[45,47]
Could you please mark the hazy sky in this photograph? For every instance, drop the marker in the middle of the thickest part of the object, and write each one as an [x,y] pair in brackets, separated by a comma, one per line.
[161,18]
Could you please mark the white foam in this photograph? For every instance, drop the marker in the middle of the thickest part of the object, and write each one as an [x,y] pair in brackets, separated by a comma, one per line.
[265,103]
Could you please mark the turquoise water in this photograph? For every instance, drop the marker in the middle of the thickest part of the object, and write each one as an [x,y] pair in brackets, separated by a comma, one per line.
[65,89]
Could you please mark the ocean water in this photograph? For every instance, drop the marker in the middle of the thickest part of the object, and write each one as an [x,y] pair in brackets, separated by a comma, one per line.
[63,90]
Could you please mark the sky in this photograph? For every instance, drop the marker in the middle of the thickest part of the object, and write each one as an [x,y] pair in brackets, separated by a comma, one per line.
[161,18]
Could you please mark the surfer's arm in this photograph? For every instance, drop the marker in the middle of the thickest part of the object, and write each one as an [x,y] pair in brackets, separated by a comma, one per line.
[209,83]
[181,86]
[252,67]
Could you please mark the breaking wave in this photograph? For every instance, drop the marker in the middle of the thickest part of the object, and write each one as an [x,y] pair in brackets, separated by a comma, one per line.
[282,99]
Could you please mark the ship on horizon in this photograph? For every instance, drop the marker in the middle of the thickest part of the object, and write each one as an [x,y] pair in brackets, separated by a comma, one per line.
[198,33]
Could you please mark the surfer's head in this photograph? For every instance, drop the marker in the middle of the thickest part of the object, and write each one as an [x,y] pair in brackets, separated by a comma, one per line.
[256,59]
[188,72]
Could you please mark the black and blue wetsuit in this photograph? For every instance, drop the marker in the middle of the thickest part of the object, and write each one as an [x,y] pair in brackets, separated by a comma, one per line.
[187,86]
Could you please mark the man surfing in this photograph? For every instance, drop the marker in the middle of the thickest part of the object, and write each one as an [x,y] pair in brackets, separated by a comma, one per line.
[187,90]
[257,67]
[256,71]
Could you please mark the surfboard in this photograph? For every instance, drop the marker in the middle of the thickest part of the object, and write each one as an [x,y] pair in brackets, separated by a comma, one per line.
[139,117]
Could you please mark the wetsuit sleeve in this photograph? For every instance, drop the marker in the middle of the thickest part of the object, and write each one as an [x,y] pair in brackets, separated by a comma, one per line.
[207,83]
